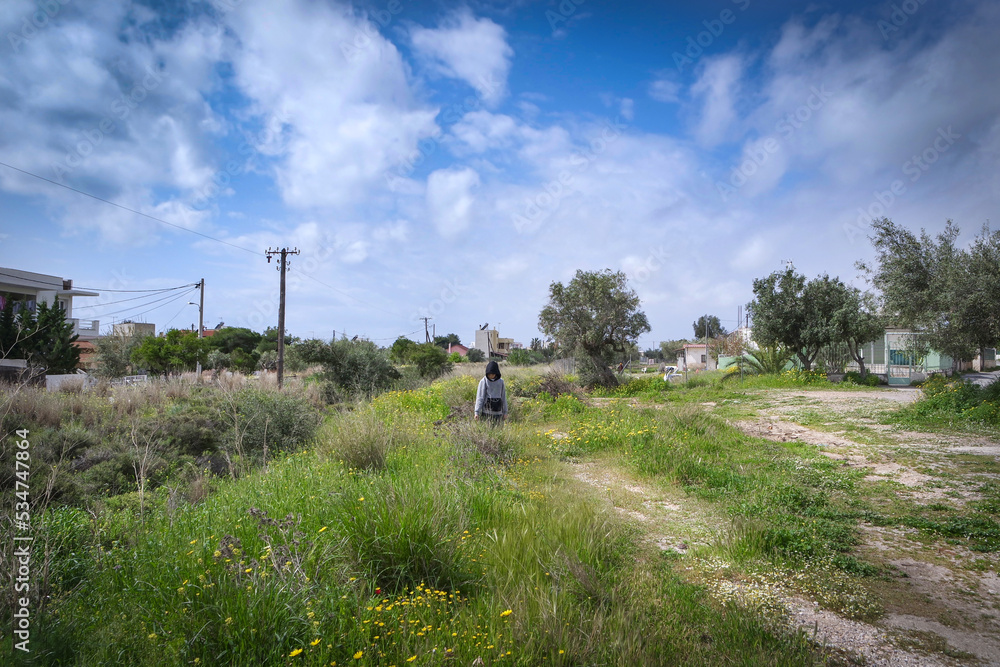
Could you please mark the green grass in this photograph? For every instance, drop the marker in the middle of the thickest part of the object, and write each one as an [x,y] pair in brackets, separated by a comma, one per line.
[387,541]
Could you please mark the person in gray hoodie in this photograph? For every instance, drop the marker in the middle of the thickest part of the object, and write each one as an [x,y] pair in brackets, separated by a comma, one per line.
[491,397]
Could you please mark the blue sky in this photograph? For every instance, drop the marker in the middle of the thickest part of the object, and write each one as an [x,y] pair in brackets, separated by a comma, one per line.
[452,160]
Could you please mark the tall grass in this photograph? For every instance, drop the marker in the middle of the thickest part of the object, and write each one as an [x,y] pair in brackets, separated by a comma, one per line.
[395,540]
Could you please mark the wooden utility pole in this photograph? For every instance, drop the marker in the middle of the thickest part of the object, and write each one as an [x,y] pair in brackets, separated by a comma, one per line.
[201,321]
[427,335]
[282,265]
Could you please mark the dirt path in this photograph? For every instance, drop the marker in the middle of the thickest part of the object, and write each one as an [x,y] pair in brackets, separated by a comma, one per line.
[945,598]
[942,606]
[671,521]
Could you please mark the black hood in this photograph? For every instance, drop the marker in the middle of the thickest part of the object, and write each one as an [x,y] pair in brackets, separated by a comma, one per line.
[493,367]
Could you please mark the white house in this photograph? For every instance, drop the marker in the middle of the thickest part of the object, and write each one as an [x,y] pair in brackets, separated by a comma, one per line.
[695,357]
[36,288]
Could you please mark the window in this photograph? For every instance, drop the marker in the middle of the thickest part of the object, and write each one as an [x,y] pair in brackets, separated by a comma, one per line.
[703,358]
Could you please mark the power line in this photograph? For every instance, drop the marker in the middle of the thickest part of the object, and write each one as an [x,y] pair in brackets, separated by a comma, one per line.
[165,289]
[126,208]
[111,303]
[179,296]
[166,298]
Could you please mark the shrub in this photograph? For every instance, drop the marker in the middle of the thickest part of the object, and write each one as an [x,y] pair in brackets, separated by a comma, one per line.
[869,380]
[277,421]
[362,441]
[475,355]
[519,358]
[431,360]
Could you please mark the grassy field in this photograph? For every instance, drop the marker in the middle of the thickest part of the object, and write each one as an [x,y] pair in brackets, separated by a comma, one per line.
[406,534]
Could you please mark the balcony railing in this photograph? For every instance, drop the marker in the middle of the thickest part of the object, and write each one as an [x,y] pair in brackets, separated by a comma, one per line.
[86,328]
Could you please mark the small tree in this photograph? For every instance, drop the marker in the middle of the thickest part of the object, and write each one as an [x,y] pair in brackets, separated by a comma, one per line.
[856,322]
[52,346]
[357,367]
[475,355]
[114,355]
[401,350]
[444,341]
[431,360]
[519,358]
[930,286]
[789,311]
[708,326]
[597,315]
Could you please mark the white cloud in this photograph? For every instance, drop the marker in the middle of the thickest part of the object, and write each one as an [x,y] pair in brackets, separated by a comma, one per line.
[627,108]
[716,88]
[348,114]
[470,49]
[450,199]
[665,90]
[481,131]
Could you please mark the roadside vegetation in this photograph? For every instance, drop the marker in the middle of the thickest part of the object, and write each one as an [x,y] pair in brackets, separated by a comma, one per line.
[400,529]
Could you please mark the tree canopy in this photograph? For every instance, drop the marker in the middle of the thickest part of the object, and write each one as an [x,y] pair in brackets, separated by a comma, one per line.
[44,337]
[446,340]
[806,315]
[936,288]
[597,316]
[708,325]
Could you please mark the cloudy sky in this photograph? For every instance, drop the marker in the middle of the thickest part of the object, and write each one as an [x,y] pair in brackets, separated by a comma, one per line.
[452,160]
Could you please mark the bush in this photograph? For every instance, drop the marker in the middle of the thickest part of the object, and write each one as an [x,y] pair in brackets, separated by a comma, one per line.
[276,420]
[353,367]
[519,358]
[475,355]
[431,360]
[869,380]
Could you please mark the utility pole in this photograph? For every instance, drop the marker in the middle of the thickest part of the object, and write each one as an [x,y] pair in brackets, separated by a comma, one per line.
[201,320]
[427,335]
[282,266]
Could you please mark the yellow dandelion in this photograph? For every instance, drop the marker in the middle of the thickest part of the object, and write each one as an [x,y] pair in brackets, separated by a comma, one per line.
[411,658]
[193,542]
[322,529]
[357,656]
[361,499]
[295,653]
[314,642]
[507,612]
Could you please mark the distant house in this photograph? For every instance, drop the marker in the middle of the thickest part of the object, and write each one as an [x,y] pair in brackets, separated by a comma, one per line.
[32,289]
[489,341]
[88,355]
[130,329]
[696,357]
[899,361]
[458,347]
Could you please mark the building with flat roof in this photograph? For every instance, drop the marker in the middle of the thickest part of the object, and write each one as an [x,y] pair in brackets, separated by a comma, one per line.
[27,290]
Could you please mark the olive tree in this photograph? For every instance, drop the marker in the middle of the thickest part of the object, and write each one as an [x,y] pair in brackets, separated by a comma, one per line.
[597,316]
[938,289]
